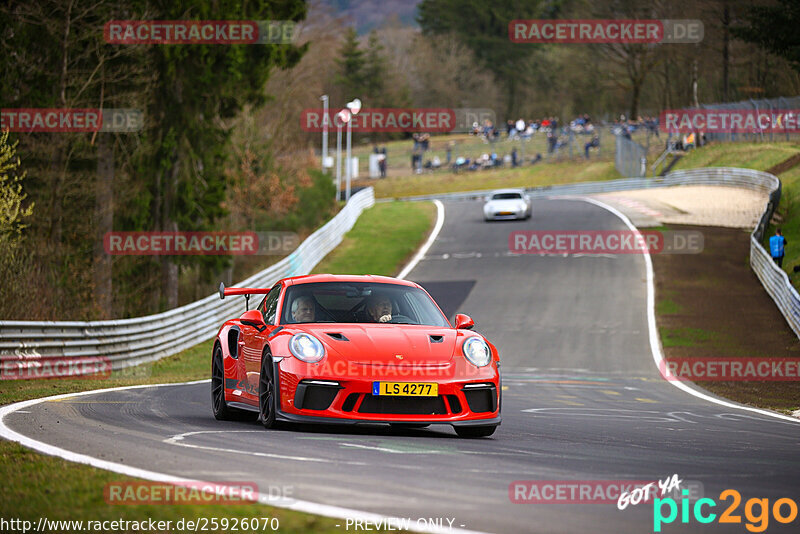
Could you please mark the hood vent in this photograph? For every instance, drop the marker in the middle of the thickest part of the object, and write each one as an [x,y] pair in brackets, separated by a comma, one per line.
[436,339]
[338,336]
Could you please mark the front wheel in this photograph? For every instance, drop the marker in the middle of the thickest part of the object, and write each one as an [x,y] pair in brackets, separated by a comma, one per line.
[475,431]
[266,392]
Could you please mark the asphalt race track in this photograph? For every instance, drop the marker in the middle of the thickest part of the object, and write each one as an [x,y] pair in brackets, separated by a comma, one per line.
[582,400]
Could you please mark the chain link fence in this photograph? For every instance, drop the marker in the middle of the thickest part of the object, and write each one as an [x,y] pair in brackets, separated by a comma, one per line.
[763,105]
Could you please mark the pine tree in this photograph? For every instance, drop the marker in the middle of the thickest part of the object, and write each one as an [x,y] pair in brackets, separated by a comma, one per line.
[375,70]
[352,65]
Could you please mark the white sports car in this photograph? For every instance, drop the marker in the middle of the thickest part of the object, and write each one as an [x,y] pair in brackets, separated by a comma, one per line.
[507,204]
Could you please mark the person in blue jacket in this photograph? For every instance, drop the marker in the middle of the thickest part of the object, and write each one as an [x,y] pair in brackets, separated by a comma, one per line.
[777,247]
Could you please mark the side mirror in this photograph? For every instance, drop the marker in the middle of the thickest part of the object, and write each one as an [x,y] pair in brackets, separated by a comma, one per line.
[253,318]
[464,322]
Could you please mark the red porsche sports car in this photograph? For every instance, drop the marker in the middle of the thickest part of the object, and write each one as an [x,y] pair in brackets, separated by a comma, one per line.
[354,349]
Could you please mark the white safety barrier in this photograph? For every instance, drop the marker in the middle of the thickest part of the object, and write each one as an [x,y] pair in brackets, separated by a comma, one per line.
[128,342]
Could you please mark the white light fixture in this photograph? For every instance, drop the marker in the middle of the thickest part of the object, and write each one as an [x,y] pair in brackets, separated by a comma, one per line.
[344,116]
[354,106]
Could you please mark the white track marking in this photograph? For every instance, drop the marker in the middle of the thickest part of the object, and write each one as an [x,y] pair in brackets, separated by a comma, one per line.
[431,238]
[178,439]
[308,507]
[655,342]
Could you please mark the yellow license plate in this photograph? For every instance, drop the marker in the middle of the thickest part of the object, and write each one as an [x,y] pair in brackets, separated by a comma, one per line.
[506,213]
[406,389]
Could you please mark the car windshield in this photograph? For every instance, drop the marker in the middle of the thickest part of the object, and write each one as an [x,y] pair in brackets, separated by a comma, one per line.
[506,196]
[359,302]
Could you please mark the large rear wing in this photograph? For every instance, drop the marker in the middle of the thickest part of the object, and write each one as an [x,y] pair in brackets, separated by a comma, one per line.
[246,291]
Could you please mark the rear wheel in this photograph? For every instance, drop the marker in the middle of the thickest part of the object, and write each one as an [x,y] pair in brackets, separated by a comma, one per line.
[266,392]
[475,431]
[218,405]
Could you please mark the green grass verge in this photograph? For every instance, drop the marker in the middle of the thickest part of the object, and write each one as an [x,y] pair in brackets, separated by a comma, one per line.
[685,337]
[759,156]
[45,486]
[788,218]
[383,238]
[667,306]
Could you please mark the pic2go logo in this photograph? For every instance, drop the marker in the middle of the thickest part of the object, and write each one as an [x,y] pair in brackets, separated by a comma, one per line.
[757,521]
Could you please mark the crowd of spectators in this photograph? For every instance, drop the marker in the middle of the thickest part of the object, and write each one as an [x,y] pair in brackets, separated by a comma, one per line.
[557,136]
[626,127]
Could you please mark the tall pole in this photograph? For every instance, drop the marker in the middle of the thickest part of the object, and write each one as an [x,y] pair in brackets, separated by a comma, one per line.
[349,166]
[338,159]
[324,132]
[353,108]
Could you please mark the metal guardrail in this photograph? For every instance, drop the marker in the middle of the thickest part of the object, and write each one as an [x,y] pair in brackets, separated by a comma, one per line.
[128,342]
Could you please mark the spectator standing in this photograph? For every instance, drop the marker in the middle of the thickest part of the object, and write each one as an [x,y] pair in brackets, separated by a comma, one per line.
[688,141]
[552,139]
[595,142]
[382,162]
[425,141]
[777,247]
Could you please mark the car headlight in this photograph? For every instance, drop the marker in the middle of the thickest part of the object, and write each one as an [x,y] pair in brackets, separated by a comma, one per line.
[306,348]
[477,351]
